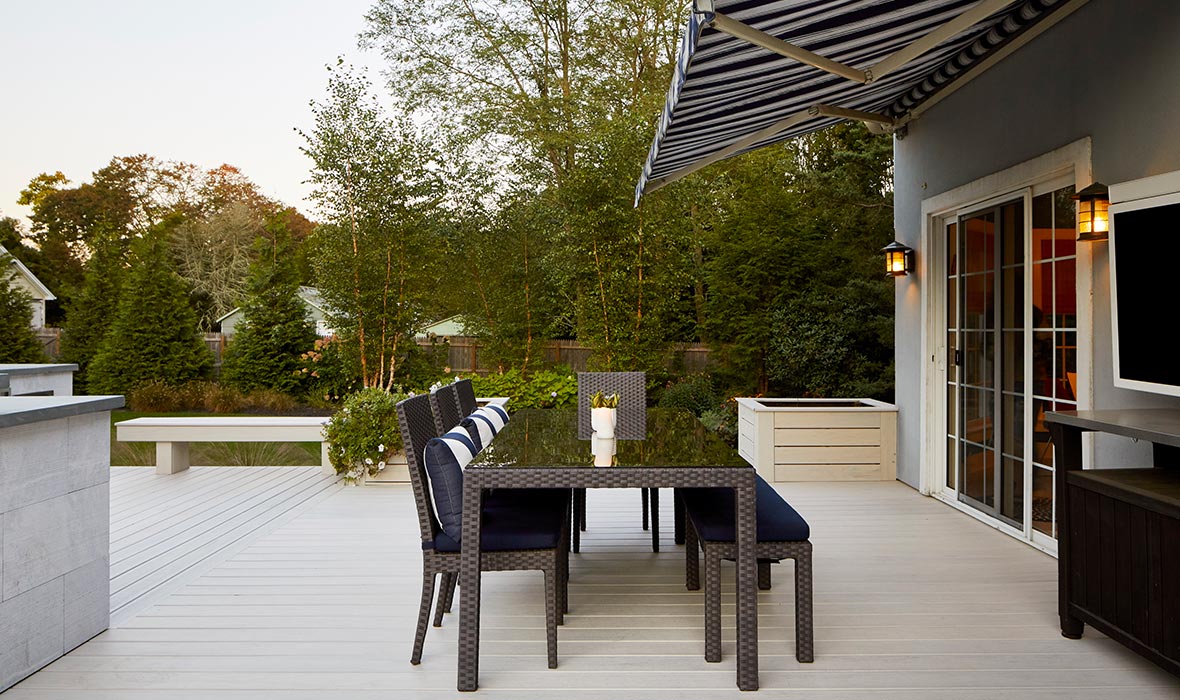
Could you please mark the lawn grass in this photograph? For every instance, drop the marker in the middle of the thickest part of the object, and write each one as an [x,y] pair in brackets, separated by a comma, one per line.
[242,454]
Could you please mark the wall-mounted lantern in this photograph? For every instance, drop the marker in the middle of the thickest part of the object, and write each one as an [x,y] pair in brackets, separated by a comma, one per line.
[1093,213]
[899,259]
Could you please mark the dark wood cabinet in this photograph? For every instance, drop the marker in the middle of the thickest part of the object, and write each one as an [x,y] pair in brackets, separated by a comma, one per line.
[1118,543]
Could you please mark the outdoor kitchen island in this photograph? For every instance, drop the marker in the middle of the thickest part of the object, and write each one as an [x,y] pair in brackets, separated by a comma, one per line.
[1119,534]
[54,526]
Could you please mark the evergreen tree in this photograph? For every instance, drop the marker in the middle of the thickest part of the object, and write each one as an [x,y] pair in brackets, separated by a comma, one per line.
[154,333]
[91,312]
[267,345]
[18,342]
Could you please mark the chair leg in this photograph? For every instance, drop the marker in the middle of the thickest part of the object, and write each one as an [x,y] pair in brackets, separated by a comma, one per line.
[423,616]
[712,607]
[643,497]
[692,559]
[551,615]
[804,629]
[579,519]
[451,592]
[678,517]
[655,520]
[562,564]
[764,575]
[444,590]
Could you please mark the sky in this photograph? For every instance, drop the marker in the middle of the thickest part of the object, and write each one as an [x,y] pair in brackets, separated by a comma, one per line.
[207,82]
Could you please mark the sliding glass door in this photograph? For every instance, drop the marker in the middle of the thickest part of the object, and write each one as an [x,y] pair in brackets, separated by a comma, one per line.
[1011,354]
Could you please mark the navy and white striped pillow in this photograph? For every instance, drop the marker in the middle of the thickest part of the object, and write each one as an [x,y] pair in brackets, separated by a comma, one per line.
[496,417]
[444,458]
[479,430]
[490,423]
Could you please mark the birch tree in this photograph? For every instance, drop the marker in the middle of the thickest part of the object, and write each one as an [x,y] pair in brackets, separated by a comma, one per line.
[374,257]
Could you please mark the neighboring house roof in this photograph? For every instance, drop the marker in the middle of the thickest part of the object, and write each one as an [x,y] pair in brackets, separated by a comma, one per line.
[40,290]
[309,295]
[450,326]
[312,296]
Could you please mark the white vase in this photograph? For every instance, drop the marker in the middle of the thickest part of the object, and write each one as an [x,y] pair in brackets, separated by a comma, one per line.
[603,450]
[602,422]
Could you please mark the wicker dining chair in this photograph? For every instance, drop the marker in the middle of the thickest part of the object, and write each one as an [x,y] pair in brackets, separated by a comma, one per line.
[782,534]
[631,424]
[444,402]
[510,518]
[466,393]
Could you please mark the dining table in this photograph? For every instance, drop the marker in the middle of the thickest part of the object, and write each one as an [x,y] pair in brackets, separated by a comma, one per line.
[540,449]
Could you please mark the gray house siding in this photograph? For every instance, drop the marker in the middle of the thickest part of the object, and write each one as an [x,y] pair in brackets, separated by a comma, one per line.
[1111,72]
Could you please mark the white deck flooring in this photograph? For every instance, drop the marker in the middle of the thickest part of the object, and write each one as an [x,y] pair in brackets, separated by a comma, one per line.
[317,599]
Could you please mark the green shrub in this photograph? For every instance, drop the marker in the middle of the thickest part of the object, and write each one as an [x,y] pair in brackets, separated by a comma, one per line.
[422,366]
[334,373]
[723,420]
[206,397]
[267,347]
[91,311]
[363,435]
[693,392]
[18,342]
[551,388]
[154,333]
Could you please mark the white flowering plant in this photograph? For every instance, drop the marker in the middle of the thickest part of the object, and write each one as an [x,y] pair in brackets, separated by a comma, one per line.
[363,436]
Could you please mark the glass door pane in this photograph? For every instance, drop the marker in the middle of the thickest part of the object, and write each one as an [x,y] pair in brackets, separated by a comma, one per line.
[977,393]
[990,369]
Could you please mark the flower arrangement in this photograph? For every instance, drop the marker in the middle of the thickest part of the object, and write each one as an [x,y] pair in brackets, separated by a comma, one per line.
[363,435]
[598,400]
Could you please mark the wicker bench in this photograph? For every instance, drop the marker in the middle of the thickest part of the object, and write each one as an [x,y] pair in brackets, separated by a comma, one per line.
[172,435]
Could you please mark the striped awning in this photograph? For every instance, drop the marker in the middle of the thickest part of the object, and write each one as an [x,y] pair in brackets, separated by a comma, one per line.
[754,72]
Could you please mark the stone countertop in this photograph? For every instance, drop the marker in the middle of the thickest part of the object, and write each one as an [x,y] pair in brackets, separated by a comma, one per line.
[20,410]
[36,368]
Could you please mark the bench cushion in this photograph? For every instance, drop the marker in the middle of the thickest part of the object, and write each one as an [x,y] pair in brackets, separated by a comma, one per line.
[517,519]
[444,458]
[712,513]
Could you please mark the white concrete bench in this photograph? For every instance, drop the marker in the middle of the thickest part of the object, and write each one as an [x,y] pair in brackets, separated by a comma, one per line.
[172,435]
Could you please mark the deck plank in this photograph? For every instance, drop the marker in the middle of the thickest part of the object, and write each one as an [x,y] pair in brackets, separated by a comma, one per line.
[168,529]
[913,600]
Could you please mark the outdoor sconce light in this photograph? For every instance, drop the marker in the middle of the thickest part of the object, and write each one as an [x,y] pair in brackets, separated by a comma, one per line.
[899,259]
[1093,213]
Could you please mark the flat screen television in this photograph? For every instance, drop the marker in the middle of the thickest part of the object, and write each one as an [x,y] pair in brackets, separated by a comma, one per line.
[1145,284]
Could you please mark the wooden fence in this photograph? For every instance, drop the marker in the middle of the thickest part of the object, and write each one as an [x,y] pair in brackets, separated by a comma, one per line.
[463,355]
[50,341]
[463,352]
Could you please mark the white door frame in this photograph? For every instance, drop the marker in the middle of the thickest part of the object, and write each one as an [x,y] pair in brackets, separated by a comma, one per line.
[1072,160]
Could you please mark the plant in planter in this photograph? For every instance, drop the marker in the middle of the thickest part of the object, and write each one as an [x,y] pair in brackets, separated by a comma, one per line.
[603,414]
[363,436]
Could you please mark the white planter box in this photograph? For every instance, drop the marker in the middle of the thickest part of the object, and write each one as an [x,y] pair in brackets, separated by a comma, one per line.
[396,472]
[819,439]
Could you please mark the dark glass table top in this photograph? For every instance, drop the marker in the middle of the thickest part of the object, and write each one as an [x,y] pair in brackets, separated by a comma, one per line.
[549,438]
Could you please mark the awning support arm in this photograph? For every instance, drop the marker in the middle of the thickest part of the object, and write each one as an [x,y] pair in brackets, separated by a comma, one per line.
[956,26]
[885,66]
[770,42]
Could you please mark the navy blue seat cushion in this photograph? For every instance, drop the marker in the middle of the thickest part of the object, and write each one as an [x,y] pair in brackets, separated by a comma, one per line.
[444,459]
[712,513]
[516,519]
